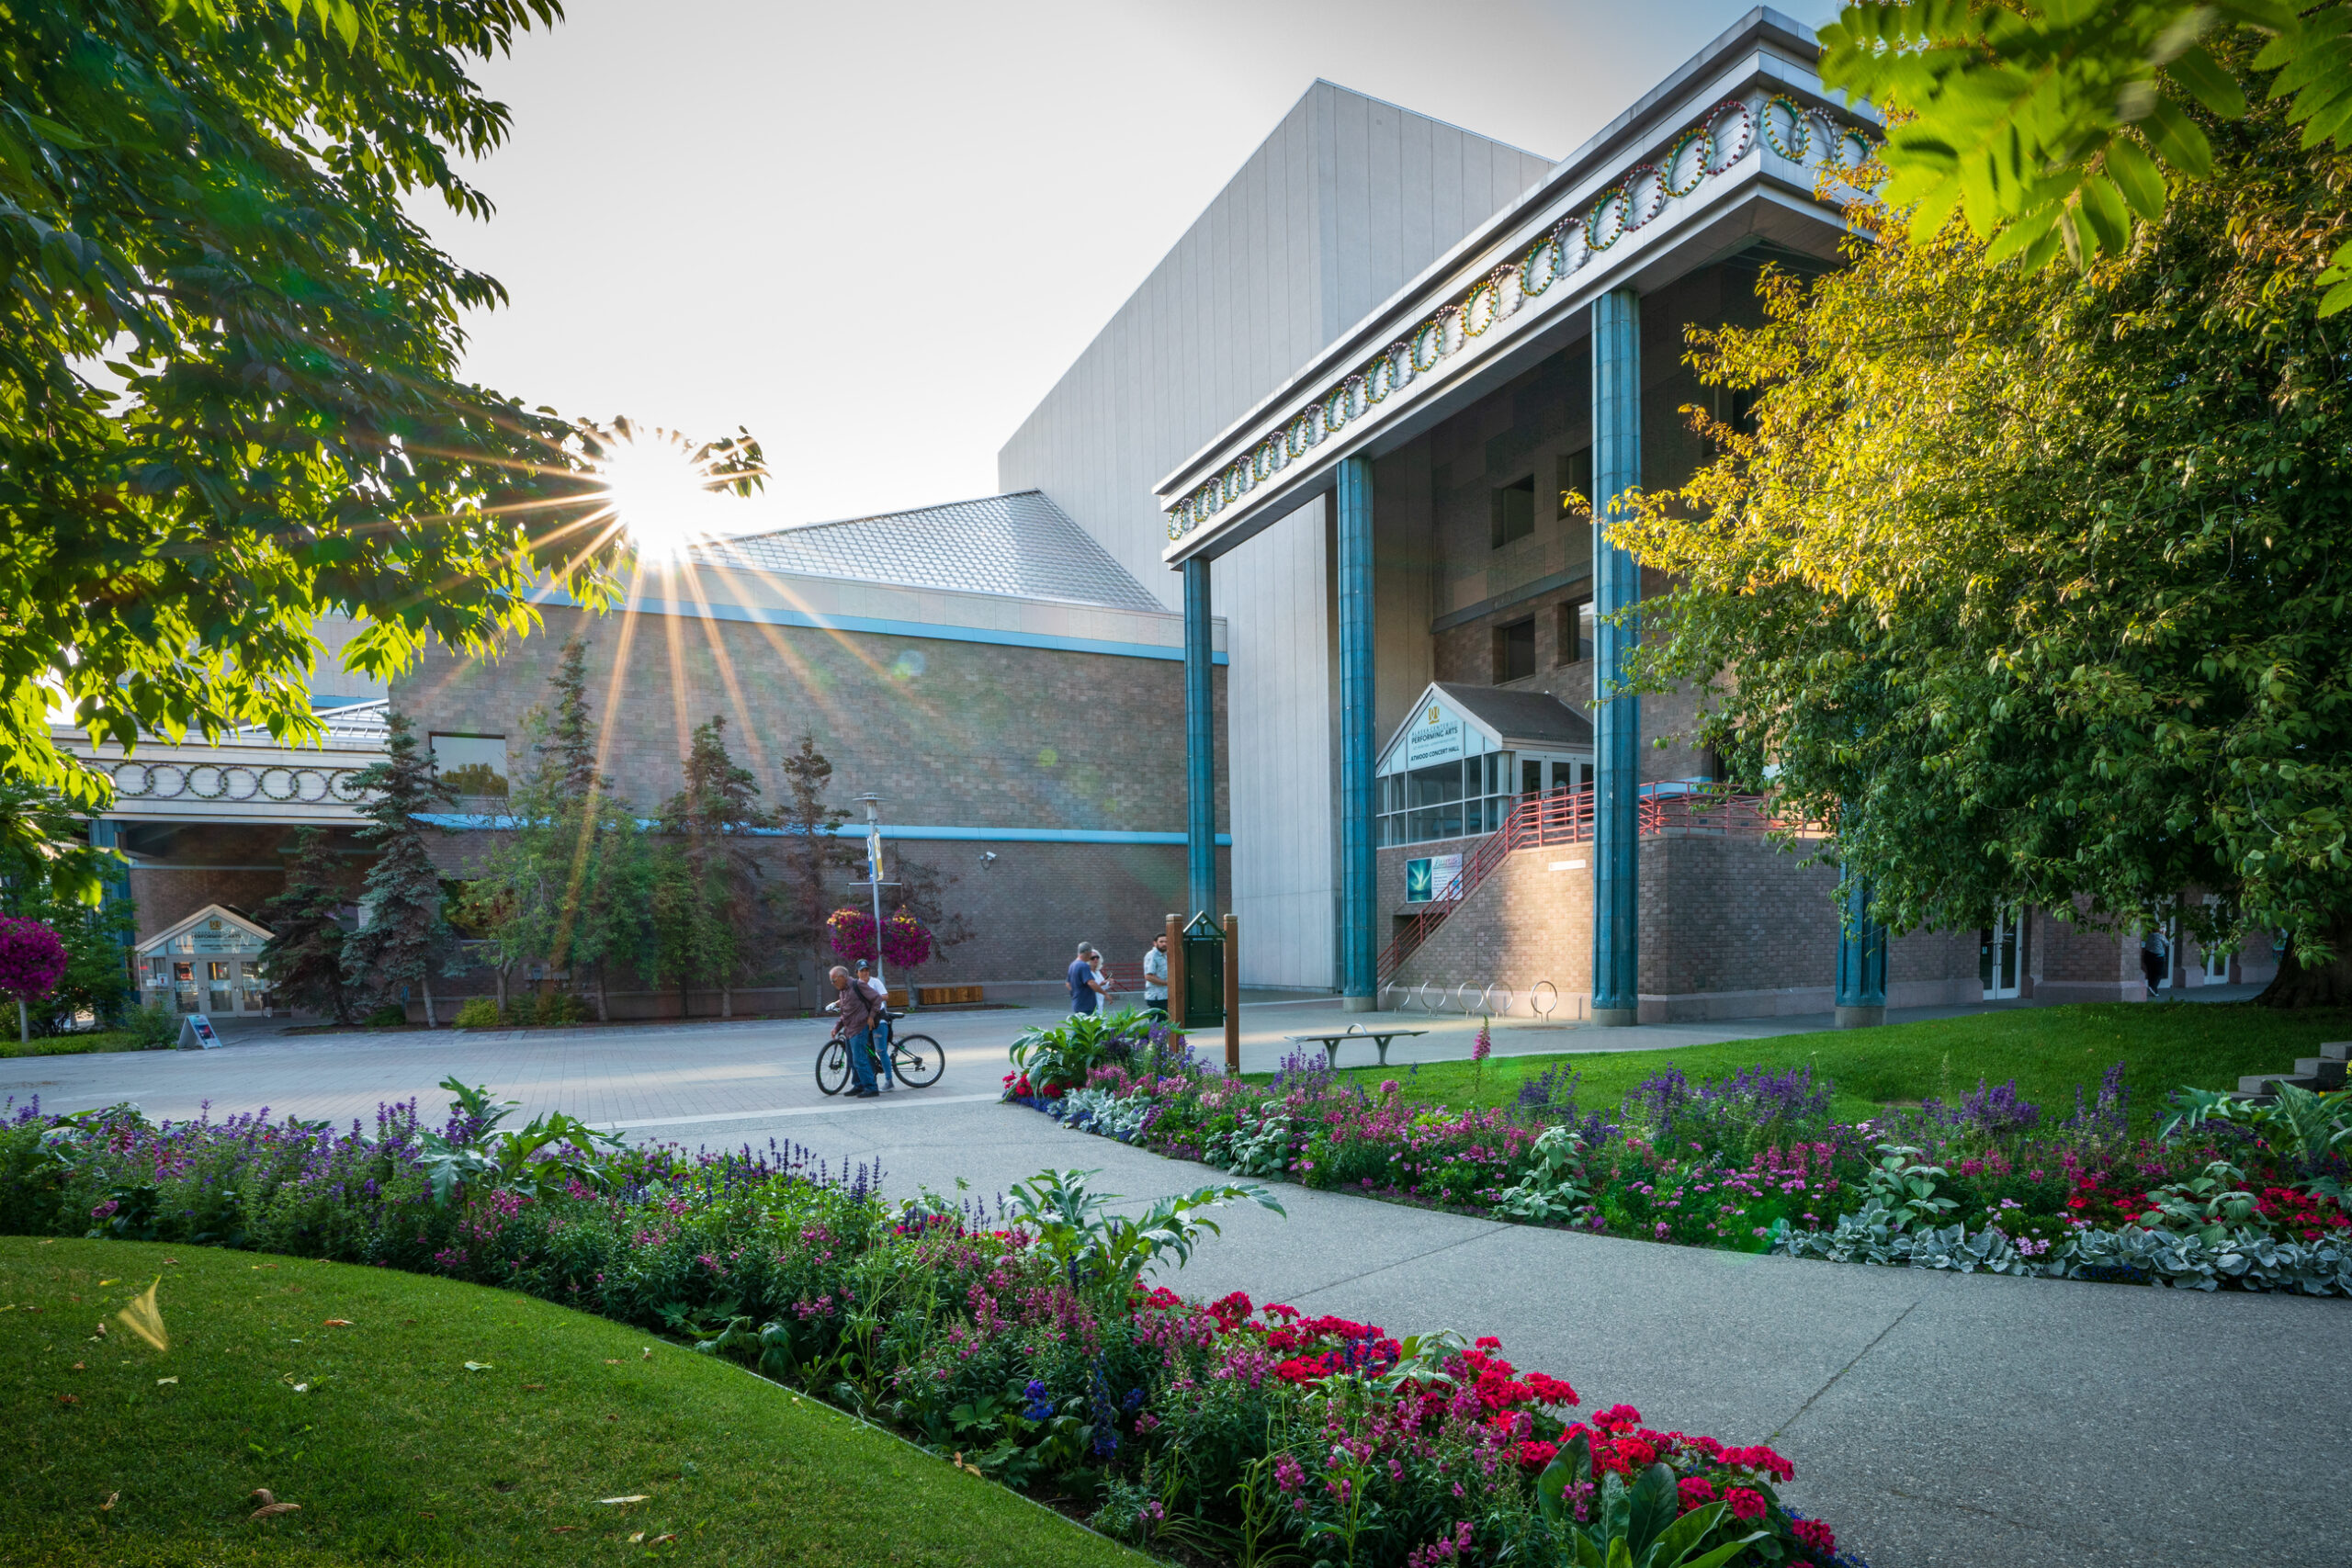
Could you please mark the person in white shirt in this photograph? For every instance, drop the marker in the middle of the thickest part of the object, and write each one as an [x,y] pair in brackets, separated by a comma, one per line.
[880,993]
[1155,977]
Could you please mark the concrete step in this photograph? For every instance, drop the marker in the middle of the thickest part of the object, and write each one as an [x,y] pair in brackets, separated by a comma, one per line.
[2336,1050]
[2258,1083]
[2325,1072]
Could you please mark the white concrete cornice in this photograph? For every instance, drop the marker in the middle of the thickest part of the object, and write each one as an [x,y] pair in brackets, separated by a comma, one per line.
[228,780]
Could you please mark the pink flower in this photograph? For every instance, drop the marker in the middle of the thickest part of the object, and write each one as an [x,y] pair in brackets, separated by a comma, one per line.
[1697,1491]
[1814,1536]
[1745,1504]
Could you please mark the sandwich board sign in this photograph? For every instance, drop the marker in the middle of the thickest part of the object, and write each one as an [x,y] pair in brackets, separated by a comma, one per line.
[196,1033]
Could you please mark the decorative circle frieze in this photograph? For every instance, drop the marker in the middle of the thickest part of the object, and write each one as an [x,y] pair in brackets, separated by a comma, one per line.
[235,782]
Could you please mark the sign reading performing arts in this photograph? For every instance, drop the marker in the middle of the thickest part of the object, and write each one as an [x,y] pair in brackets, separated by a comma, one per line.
[1437,739]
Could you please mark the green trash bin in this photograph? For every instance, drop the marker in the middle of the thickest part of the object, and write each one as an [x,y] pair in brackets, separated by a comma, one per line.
[1204,973]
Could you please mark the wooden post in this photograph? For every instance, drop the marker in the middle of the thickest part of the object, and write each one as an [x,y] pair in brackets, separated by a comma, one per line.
[1175,971]
[1232,996]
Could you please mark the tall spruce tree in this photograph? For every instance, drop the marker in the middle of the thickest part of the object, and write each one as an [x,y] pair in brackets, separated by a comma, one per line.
[303,958]
[711,920]
[814,858]
[571,885]
[406,937]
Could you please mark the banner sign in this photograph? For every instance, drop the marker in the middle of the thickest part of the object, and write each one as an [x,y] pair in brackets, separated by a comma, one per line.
[196,1033]
[1431,878]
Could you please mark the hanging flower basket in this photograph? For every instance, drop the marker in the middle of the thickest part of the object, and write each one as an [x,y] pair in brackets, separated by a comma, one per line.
[906,941]
[32,959]
[852,933]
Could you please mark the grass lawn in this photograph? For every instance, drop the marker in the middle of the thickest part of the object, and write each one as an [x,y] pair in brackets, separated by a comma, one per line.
[395,1450]
[2047,1050]
[72,1044]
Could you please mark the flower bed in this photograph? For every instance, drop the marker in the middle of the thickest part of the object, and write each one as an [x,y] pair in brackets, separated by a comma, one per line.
[1017,1340]
[2230,1196]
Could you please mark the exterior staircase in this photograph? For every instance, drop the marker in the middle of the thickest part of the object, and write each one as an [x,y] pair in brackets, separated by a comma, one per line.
[1565,816]
[2319,1074]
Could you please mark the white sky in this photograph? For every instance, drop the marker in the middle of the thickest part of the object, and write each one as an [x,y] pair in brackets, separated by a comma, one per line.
[875,234]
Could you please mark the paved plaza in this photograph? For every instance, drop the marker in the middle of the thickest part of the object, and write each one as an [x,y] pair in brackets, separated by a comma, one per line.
[1935,1419]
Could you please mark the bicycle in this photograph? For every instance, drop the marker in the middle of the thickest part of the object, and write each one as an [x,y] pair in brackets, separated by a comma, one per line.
[916,1060]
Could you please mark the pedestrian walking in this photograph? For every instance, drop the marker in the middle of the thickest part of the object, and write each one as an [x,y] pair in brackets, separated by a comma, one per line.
[2153,965]
[858,1015]
[1155,977]
[1086,986]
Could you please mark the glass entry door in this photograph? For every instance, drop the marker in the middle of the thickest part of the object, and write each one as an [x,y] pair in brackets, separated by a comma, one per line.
[1998,955]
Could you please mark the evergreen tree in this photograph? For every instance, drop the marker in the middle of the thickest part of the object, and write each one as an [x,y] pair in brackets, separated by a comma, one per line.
[571,885]
[922,893]
[406,937]
[813,858]
[303,958]
[710,919]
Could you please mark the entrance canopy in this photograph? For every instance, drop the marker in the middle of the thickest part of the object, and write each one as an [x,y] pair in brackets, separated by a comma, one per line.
[210,962]
[1465,755]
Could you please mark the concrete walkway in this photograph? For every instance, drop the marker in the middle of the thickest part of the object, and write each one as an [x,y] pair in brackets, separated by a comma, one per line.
[1934,1420]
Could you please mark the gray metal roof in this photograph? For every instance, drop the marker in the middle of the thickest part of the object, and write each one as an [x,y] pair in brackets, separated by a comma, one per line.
[1022,545]
[1536,718]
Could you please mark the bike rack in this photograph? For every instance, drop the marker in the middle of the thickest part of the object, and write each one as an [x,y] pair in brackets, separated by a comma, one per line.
[1548,1004]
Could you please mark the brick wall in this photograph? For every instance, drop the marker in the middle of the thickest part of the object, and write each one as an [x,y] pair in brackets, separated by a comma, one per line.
[1730,927]
[950,733]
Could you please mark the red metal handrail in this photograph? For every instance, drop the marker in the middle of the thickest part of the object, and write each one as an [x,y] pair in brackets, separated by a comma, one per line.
[1565,816]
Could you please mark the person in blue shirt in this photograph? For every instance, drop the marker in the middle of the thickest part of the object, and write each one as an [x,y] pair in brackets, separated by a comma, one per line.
[1085,985]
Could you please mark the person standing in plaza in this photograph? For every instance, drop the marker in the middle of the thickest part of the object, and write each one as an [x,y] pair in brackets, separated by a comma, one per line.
[1155,977]
[1086,986]
[882,1039]
[859,1013]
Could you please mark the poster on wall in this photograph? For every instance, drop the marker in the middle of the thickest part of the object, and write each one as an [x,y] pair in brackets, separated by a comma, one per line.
[1431,878]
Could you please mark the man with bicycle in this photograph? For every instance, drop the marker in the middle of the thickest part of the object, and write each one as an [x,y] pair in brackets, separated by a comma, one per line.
[860,1012]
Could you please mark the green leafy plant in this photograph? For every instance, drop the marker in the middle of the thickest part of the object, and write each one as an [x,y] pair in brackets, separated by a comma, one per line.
[2297,1125]
[154,1026]
[1103,1251]
[1905,1188]
[548,1154]
[479,1012]
[2210,1206]
[1554,1186]
[1614,1525]
[1061,1054]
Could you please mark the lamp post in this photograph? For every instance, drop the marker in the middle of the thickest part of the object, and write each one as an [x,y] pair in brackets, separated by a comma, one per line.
[873,804]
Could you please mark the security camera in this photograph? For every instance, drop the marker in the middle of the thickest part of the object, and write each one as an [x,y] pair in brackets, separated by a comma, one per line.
[987,856]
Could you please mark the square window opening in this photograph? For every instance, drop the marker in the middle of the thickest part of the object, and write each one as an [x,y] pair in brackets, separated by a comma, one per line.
[1515,651]
[1514,512]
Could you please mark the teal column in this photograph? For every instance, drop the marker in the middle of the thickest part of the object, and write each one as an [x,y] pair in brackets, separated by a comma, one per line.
[1617,720]
[115,899]
[1359,947]
[1862,959]
[1199,741]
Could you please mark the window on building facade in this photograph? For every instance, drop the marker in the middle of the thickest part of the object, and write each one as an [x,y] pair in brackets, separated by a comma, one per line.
[1514,512]
[1575,479]
[1515,651]
[472,764]
[1447,800]
[1576,630]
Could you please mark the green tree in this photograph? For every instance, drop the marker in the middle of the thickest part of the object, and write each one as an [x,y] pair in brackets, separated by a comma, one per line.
[2036,583]
[405,937]
[712,919]
[569,884]
[303,958]
[49,872]
[815,861]
[229,367]
[2051,127]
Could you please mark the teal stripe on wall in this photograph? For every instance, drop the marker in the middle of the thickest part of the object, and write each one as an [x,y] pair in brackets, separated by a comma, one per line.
[775,617]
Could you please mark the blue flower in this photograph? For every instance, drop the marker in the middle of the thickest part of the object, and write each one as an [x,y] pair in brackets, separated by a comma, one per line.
[1041,1403]
[1135,1400]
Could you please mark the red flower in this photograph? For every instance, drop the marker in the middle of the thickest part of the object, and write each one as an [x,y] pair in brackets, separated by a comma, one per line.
[1638,1454]
[1535,1456]
[1814,1536]
[1745,1503]
[1697,1491]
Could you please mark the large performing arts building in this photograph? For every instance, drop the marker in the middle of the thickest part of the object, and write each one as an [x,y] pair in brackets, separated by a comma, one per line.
[1280,611]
